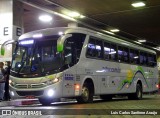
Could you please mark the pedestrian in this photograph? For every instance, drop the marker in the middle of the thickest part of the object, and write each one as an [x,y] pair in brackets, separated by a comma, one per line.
[6,74]
[2,81]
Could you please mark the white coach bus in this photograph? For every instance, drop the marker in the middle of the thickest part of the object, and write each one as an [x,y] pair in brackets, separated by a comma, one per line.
[80,63]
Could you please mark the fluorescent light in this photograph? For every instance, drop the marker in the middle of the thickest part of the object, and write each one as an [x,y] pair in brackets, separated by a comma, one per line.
[138,4]
[73,14]
[26,42]
[141,41]
[108,32]
[137,42]
[125,43]
[114,30]
[64,16]
[37,35]
[82,16]
[45,18]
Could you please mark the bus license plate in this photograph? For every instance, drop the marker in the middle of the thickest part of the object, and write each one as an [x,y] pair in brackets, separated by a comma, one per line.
[30,97]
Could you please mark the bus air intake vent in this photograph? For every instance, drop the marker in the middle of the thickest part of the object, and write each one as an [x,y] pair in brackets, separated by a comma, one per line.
[27,93]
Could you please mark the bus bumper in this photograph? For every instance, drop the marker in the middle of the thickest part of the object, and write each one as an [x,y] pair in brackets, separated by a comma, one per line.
[53,91]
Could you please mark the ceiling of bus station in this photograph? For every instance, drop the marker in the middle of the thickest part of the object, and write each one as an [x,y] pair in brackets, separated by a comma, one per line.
[133,23]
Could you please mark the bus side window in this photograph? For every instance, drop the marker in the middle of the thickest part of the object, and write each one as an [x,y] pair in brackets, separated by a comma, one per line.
[145,60]
[136,57]
[152,60]
[113,52]
[126,54]
[120,54]
[131,54]
[91,48]
[68,52]
[99,49]
[106,50]
[141,57]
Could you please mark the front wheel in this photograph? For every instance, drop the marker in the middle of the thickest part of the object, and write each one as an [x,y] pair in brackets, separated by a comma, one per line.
[45,101]
[138,94]
[86,96]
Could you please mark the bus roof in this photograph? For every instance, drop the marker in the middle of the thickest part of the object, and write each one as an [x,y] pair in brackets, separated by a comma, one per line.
[65,30]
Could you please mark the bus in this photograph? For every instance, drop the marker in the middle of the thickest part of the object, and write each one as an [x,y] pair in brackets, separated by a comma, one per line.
[80,63]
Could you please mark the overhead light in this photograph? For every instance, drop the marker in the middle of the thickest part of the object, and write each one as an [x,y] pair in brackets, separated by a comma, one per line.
[137,42]
[108,32]
[139,3]
[64,16]
[73,14]
[114,30]
[142,41]
[45,18]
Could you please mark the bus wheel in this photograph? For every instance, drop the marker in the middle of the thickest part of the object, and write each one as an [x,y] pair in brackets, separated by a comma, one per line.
[86,96]
[45,101]
[138,94]
[106,97]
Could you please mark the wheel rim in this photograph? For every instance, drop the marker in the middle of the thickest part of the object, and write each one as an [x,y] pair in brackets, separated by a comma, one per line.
[85,94]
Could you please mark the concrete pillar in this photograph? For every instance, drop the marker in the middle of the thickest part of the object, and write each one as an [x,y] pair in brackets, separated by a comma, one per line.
[11,25]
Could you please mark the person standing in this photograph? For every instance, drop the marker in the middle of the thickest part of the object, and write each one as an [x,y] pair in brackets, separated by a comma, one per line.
[6,74]
[2,81]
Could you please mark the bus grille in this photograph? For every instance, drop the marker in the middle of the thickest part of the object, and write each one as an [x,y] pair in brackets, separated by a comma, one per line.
[24,86]
[27,93]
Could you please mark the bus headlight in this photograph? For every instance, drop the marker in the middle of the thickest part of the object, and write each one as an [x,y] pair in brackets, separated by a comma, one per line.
[55,80]
[11,83]
[12,93]
[50,93]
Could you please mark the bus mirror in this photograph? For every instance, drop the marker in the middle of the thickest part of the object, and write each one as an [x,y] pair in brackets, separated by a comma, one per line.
[60,42]
[59,47]
[2,51]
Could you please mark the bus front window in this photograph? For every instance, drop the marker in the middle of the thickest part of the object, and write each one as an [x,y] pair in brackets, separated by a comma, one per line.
[40,57]
[36,59]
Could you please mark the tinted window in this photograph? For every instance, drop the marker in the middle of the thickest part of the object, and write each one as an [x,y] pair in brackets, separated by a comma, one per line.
[152,60]
[113,52]
[95,48]
[134,56]
[106,50]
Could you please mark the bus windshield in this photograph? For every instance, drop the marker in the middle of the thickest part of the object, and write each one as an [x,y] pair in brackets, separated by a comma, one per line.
[32,58]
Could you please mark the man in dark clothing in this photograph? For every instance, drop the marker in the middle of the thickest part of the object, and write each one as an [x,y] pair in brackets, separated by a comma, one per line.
[7,73]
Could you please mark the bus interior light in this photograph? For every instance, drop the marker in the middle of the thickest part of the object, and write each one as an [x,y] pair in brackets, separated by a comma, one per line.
[26,42]
[114,52]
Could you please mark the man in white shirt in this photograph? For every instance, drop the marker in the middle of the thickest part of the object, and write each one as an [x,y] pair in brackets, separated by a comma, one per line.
[2,81]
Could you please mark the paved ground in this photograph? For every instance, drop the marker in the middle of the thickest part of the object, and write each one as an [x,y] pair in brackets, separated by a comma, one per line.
[118,107]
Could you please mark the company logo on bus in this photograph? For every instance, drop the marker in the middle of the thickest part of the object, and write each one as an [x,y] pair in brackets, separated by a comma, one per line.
[107,69]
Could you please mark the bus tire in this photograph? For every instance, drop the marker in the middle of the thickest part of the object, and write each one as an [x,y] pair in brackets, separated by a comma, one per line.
[45,101]
[86,96]
[138,94]
[106,97]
